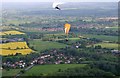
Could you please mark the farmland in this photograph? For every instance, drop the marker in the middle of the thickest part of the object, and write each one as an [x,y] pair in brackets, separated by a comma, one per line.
[0,73]
[108,45]
[13,52]
[40,45]
[46,69]
[74,39]
[14,47]
[11,72]
[112,28]
[11,33]
[102,37]
[33,41]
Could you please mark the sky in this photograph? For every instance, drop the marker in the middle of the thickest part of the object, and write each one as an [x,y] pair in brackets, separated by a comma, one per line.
[60,0]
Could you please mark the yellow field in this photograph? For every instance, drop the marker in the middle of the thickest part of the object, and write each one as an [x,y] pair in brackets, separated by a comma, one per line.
[13,52]
[11,33]
[14,47]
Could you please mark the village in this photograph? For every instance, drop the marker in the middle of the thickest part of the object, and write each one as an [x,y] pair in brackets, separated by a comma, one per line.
[52,57]
[56,56]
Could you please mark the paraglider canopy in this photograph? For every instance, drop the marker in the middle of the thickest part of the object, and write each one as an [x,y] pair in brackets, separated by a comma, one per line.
[56,5]
[67,28]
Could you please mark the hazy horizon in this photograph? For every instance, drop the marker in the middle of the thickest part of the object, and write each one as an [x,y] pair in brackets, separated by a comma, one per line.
[60,0]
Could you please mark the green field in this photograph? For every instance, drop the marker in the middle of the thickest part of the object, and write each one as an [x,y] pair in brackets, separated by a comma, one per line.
[108,45]
[49,69]
[0,73]
[11,72]
[102,37]
[115,28]
[40,45]
[71,39]
[75,39]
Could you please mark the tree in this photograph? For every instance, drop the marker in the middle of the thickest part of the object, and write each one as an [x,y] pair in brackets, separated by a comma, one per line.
[59,70]
[98,47]
[22,71]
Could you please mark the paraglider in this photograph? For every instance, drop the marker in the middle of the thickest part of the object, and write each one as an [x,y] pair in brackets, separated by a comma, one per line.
[56,5]
[67,29]
[57,8]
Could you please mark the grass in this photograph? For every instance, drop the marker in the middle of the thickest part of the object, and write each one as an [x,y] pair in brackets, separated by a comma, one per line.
[113,28]
[102,37]
[0,73]
[74,39]
[108,45]
[40,45]
[49,69]
[71,39]
[11,72]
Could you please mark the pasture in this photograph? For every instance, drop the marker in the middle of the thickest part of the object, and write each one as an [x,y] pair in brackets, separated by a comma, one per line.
[50,69]
[11,72]
[74,39]
[115,28]
[40,45]
[102,37]
[108,45]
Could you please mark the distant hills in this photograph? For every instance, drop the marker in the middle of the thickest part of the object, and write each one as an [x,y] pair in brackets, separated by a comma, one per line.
[69,9]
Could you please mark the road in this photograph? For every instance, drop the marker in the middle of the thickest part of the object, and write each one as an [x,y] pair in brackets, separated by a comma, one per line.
[24,70]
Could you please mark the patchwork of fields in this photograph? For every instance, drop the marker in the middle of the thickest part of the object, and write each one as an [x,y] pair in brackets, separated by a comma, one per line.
[34,44]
